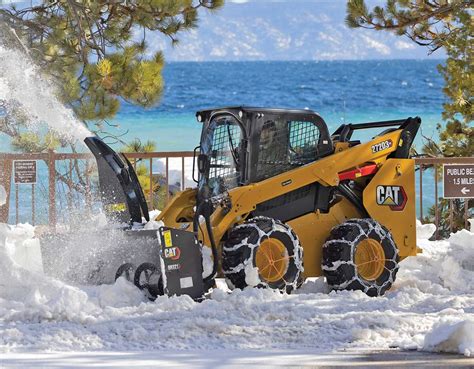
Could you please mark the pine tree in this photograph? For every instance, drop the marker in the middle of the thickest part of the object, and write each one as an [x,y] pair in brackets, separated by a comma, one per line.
[435,24]
[98,54]
[97,51]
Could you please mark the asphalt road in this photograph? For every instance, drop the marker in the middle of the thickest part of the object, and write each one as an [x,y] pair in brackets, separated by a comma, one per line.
[392,359]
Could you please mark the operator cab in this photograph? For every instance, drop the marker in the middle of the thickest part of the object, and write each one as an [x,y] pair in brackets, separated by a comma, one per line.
[242,145]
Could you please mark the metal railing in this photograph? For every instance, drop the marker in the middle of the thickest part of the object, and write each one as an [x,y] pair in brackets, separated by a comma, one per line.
[51,159]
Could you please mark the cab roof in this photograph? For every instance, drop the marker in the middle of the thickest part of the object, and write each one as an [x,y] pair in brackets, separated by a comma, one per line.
[251,109]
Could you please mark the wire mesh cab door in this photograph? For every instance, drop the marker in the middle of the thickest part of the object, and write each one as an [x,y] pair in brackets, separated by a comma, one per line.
[284,141]
[222,144]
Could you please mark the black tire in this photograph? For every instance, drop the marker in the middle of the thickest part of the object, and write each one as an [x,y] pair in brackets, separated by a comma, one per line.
[127,271]
[240,249]
[339,254]
[148,278]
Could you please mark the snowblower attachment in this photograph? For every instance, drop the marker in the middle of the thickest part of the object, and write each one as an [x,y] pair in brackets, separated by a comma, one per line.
[181,259]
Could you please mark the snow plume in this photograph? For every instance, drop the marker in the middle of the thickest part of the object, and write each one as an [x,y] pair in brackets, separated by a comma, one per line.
[426,309]
[22,84]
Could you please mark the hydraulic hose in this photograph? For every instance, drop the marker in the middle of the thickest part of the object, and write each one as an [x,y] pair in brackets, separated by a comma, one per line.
[350,195]
[204,209]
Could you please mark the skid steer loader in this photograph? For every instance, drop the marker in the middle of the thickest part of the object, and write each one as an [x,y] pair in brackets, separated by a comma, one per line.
[278,199]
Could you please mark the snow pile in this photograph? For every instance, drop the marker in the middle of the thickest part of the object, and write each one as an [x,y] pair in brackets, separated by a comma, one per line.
[3,196]
[31,296]
[22,246]
[424,231]
[454,338]
[428,308]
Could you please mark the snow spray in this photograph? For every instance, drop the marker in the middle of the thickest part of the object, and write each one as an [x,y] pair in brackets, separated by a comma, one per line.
[23,84]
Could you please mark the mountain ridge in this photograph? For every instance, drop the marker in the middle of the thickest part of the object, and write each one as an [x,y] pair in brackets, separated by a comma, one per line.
[302,31]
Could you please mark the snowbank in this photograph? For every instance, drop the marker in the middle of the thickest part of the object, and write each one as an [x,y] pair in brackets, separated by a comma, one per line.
[424,231]
[430,307]
[3,196]
[454,338]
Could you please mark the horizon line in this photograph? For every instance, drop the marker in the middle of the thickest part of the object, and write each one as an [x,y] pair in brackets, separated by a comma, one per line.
[301,61]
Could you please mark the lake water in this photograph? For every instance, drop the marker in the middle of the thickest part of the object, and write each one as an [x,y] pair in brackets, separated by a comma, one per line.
[340,91]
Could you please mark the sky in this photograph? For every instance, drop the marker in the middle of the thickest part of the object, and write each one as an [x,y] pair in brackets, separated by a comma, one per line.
[247,30]
[285,30]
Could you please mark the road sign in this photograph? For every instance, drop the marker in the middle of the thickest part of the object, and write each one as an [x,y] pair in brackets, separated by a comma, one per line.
[25,171]
[458,180]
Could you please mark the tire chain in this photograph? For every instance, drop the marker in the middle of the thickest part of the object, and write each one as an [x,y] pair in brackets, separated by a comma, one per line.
[365,227]
[281,227]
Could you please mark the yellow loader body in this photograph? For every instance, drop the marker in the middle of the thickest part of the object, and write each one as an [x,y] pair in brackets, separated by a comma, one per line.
[394,177]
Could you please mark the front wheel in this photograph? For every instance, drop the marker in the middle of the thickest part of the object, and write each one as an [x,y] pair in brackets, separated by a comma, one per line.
[263,252]
[360,254]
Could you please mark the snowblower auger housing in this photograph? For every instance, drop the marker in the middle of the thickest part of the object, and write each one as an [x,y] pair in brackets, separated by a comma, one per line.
[279,199]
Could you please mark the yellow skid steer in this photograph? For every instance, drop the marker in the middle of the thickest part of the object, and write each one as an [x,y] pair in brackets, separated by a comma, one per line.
[278,199]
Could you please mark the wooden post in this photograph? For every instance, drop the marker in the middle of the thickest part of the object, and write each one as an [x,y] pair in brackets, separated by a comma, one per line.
[5,181]
[52,188]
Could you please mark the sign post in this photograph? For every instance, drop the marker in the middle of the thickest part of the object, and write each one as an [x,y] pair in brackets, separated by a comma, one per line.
[458,181]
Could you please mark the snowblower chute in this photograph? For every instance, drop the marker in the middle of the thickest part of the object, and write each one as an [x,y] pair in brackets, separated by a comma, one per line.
[279,199]
[122,196]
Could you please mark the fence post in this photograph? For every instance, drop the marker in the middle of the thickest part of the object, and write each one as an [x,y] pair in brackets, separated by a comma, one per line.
[88,188]
[436,202]
[5,181]
[167,181]
[151,184]
[421,192]
[466,214]
[52,188]
[182,174]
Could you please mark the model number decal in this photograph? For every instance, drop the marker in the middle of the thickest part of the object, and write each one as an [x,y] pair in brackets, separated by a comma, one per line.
[384,145]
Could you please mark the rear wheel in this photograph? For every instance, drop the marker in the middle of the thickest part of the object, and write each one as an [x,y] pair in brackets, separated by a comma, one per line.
[263,252]
[360,254]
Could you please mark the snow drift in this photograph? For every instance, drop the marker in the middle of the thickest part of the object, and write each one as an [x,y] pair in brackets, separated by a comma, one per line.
[454,338]
[430,307]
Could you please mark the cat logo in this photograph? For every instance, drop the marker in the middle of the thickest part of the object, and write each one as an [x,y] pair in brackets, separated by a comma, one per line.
[172,253]
[393,196]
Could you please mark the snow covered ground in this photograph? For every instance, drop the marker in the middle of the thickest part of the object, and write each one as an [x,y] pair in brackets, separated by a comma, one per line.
[430,307]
